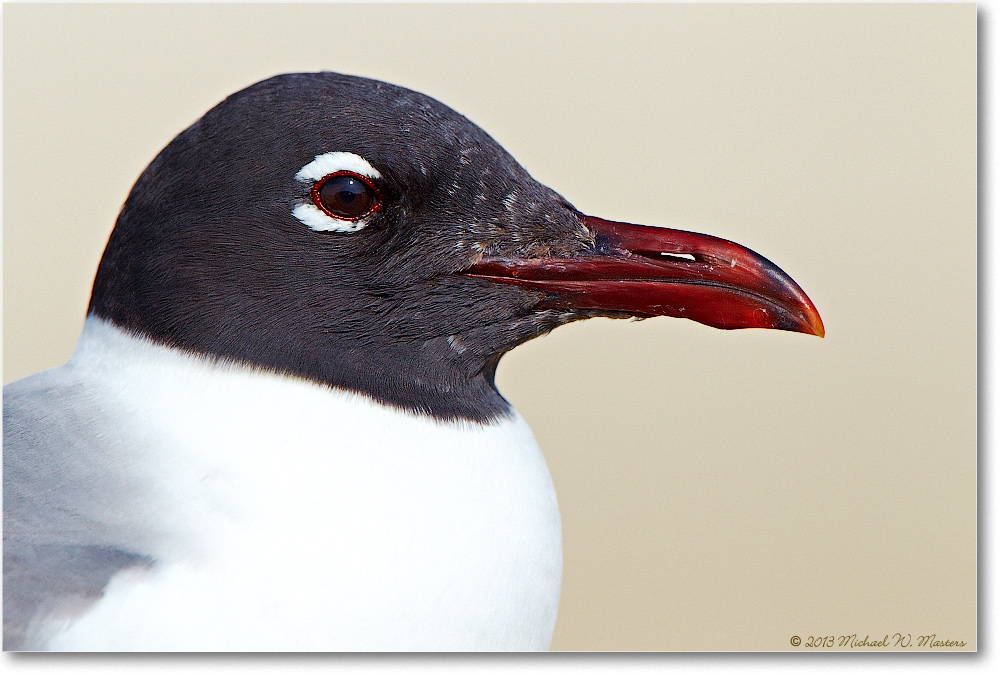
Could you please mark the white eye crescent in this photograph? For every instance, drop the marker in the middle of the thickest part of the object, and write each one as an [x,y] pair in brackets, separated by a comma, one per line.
[318,173]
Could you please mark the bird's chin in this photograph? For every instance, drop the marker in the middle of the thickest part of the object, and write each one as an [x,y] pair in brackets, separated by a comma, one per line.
[639,271]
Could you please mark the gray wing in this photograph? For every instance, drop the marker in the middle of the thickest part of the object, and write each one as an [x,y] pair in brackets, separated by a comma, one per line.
[71,517]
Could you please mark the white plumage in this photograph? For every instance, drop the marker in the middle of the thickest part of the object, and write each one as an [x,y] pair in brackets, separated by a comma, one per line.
[361,527]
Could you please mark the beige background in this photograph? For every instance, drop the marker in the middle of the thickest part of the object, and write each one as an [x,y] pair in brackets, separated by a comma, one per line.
[719,489]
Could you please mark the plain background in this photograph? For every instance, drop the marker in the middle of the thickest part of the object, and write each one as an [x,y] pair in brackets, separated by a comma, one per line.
[720,490]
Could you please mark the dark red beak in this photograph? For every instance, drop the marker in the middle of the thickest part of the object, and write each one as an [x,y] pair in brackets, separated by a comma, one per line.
[652,271]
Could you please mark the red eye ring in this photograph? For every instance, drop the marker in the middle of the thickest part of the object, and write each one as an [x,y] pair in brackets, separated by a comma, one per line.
[349,211]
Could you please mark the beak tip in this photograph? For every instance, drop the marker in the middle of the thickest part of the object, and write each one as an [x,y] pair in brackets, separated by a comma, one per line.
[814,325]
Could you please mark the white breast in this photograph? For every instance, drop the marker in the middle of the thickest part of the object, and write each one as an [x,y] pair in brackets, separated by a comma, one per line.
[295,517]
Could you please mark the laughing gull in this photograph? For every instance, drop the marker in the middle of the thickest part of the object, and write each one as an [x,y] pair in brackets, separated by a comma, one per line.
[280,429]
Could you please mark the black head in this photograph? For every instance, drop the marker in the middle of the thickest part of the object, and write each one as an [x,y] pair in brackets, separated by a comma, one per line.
[231,244]
[365,236]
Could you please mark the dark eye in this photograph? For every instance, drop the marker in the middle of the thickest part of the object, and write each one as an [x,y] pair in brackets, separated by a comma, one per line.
[345,195]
